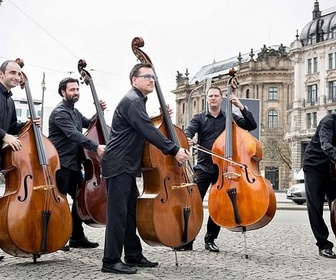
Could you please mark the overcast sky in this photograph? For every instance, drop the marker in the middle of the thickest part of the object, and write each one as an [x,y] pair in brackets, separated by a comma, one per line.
[52,35]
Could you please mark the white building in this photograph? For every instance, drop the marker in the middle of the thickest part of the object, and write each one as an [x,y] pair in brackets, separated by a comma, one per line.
[22,112]
[314,94]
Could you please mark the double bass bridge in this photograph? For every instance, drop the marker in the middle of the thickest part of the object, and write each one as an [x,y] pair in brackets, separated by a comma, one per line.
[182,185]
[231,175]
[44,187]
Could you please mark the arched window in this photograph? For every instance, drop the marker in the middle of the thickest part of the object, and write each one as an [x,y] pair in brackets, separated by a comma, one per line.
[247,93]
[272,118]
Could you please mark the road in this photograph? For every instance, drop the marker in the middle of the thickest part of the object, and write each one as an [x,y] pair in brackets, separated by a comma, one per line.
[284,249]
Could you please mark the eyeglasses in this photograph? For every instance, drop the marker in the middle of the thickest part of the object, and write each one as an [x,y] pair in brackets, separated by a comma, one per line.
[148,77]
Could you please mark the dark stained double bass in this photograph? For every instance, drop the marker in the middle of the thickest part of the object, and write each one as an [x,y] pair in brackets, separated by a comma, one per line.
[241,199]
[35,217]
[170,210]
[91,194]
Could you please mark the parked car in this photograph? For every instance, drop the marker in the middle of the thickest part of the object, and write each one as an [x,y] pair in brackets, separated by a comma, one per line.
[297,193]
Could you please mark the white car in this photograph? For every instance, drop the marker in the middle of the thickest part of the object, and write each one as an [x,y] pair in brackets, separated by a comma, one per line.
[297,193]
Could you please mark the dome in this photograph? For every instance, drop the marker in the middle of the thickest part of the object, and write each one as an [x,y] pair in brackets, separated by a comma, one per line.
[321,28]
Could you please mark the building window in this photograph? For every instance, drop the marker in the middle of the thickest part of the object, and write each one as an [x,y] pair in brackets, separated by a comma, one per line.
[183,108]
[330,60]
[272,93]
[272,174]
[333,32]
[273,118]
[19,112]
[315,64]
[247,93]
[27,114]
[312,94]
[309,122]
[313,39]
[314,119]
[309,69]
[332,91]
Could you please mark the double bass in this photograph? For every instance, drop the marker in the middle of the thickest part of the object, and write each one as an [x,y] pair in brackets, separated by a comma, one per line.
[35,217]
[91,193]
[169,210]
[241,199]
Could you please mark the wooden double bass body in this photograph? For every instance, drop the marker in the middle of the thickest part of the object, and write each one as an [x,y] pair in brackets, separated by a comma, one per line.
[170,210]
[91,194]
[35,217]
[241,199]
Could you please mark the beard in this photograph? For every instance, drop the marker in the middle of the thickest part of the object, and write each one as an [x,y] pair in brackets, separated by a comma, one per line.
[72,98]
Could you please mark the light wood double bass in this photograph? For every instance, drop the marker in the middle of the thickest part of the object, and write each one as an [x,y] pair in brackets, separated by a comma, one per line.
[35,217]
[91,194]
[170,210]
[241,199]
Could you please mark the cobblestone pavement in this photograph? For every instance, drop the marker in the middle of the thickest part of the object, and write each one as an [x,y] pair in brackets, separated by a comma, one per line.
[279,250]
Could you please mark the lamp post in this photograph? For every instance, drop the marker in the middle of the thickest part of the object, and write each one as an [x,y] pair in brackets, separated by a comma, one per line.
[43,85]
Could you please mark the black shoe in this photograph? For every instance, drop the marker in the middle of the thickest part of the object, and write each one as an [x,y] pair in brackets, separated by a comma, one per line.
[327,253]
[83,243]
[66,248]
[1,258]
[185,247]
[211,246]
[118,267]
[143,262]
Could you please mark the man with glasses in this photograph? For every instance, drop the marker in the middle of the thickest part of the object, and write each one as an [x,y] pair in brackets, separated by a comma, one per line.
[121,164]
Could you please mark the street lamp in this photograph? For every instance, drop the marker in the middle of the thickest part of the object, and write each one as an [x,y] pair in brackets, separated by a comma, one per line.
[43,85]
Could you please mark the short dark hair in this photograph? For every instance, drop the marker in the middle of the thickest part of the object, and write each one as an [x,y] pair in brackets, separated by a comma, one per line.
[136,69]
[4,65]
[214,87]
[63,84]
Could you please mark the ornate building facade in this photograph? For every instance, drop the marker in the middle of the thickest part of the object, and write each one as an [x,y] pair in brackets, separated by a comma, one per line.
[314,68]
[296,86]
